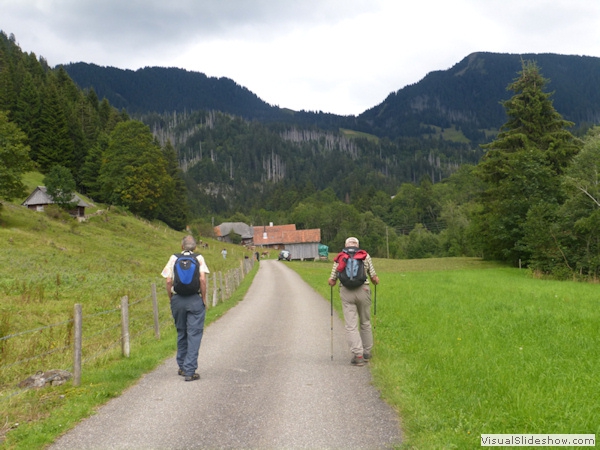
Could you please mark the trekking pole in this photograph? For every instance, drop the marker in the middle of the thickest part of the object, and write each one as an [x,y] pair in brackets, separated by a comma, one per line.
[375,309]
[331,297]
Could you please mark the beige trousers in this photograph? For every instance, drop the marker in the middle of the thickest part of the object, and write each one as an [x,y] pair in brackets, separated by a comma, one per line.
[356,305]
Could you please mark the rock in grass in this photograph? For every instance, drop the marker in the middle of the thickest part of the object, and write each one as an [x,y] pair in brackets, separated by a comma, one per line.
[53,377]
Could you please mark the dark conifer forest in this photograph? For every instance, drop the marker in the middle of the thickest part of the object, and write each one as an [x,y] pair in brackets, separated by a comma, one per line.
[493,157]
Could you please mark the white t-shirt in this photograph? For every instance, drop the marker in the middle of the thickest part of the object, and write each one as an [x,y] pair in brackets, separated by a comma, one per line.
[167,272]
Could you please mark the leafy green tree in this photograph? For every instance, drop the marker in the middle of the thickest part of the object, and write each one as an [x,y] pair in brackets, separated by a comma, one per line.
[414,204]
[60,185]
[174,208]
[547,253]
[134,170]
[459,196]
[580,214]
[14,159]
[522,166]
[372,233]
[239,217]
[421,243]
[582,177]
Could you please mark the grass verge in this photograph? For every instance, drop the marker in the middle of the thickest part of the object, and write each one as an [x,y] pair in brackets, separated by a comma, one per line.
[59,409]
[47,264]
[462,351]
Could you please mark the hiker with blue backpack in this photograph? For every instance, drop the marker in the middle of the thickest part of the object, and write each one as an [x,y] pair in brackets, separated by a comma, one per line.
[352,266]
[185,274]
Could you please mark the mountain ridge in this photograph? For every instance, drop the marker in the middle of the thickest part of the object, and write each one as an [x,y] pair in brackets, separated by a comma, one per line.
[467,96]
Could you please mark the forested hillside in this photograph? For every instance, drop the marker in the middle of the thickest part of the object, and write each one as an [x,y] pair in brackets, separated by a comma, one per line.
[159,89]
[468,96]
[48,124]
[409,176]
[234,165]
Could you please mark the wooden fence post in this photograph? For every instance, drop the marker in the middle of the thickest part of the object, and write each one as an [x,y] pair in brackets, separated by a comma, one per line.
[227,285]
[214,296]
[222,290]
[77,321]
[155,310]
[206,301]
[125,326]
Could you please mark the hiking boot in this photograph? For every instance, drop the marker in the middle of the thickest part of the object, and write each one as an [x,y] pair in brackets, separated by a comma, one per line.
[366,357]
[193,377]
[357,360]
[181,373]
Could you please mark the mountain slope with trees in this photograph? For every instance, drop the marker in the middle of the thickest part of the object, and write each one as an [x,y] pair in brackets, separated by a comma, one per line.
[159,89]
[527,195]
[468,96]
[48,124]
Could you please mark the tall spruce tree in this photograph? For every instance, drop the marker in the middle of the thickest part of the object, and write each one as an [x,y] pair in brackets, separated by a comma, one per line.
[55,145]
[90,171]
[522,166]
[28,113]
[14,159]
[174,209]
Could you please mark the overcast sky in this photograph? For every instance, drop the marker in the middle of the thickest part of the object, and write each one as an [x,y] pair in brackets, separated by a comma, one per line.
[338,56]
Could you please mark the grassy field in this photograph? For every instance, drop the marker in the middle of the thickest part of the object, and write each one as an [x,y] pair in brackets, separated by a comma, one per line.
[351,134]
[47,264]
[465,347]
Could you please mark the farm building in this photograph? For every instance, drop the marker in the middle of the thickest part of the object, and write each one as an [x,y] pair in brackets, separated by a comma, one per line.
[302,244]
[40,198]
[223,232]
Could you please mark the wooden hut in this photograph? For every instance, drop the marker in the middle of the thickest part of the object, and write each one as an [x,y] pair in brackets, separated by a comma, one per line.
[40,198]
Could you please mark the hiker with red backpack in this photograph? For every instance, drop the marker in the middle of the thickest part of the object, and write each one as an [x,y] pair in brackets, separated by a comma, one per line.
[353,266]
[185,273]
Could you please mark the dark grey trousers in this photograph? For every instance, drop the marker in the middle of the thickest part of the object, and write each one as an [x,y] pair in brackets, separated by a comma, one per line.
[189,314]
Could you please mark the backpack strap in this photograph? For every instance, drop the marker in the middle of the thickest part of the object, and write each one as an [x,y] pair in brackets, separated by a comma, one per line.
[177,255]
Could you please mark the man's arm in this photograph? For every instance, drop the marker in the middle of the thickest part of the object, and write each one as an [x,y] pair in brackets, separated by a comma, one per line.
[333,276]
[371,270]
[169,286]
[203,287]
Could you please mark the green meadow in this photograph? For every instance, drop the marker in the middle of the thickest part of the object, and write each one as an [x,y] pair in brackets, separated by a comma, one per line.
[464,348]
[48,263]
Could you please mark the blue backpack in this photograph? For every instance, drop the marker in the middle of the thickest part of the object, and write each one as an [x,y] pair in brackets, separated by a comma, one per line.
[353,275]
[186,274]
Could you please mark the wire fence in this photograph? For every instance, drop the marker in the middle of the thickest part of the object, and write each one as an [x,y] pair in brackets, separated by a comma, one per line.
[102,334]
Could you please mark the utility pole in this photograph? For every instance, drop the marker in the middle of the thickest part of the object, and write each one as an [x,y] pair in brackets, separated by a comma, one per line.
[387,242]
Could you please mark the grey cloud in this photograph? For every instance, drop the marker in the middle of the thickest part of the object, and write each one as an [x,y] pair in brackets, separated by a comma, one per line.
[122,25]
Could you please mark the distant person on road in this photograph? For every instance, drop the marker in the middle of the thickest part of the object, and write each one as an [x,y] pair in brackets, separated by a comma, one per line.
[224,253]
[185,275]
[352,266]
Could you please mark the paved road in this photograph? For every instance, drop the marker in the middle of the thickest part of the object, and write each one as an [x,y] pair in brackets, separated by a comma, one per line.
[268,382]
